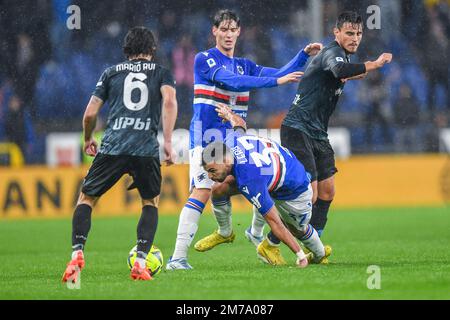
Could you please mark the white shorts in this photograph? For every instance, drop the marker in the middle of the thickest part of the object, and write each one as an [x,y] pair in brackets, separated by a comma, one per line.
[198,177]
[297,213]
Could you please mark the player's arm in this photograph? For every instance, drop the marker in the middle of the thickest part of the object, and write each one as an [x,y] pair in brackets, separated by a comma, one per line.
[335,62]
[372,65]
[244,82]
[273,219]
[169,117]
[295,64]
[379,63]
[89,123]
[207,67]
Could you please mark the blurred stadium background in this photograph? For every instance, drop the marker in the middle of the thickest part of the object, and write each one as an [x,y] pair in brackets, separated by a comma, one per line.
[391,134]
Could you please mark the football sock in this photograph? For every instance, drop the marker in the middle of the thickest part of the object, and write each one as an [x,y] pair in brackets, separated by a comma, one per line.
[319,215]
[141,262]
[81,224]
[273,240]
[187,227]
[222,212]
[146,230]
[312,241]
[258,223]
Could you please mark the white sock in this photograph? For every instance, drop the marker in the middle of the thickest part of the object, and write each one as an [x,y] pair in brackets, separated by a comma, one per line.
[141,262]
[222,212]
[312,241]
[75,253]
[258,223]
[187,227]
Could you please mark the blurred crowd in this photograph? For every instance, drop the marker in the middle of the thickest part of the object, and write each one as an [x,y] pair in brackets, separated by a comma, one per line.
[48,72]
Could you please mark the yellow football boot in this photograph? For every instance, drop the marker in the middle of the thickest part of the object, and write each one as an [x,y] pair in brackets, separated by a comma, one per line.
[323,260]
[214,239]
[270,254]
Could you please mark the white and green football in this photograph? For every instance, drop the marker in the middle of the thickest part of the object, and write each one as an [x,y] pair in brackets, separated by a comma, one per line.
[154,259]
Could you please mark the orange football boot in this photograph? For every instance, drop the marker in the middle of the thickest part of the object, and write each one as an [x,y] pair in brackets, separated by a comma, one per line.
[74,268]
[138,273]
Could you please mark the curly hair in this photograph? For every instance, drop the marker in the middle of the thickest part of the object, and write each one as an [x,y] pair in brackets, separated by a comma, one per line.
[139,40]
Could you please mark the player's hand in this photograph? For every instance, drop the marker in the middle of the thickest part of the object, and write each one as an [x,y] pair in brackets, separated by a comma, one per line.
[313,49]
[90,147]
[290,78]
[224,111]
[383,59]
[169,154]
[227,114]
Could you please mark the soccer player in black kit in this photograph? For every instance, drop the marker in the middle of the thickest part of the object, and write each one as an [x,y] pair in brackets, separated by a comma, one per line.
[139,92]
[304,130]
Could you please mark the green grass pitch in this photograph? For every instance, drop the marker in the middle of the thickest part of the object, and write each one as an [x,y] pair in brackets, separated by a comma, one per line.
[411,247]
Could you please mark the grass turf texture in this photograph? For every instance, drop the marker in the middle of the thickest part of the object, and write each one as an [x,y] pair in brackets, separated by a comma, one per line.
[409,245]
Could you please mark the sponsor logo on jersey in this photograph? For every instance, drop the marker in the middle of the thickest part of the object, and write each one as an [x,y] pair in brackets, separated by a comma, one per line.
[245,190]
[339,59]
[240,70]
[132,123]
[255,201]
[201,177]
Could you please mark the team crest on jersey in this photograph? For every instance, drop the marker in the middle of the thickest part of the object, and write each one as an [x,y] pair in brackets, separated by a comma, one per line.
[201,177]
[240,70]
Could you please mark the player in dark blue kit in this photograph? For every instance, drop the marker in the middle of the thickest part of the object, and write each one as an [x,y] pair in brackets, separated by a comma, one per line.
[219,77]
[274,181]
[304,130]
[139,92]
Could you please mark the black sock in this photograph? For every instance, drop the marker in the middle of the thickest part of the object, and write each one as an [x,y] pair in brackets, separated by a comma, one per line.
[273,238]
[319,215]
[146,230]
[81,224]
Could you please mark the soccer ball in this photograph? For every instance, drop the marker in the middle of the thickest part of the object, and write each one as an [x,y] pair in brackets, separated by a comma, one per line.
[154,259]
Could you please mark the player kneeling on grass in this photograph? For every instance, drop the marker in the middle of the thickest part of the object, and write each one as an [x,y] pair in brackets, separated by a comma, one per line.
[274,181]
[138,91]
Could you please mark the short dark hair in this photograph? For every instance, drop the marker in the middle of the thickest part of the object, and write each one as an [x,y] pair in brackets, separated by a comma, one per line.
[215,152]
[348,17]
[139,40]
[225,14]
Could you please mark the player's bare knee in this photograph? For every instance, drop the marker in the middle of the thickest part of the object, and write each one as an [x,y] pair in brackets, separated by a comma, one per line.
[327,194]
[201,195]
[86,199]
[151,202]
[326,190]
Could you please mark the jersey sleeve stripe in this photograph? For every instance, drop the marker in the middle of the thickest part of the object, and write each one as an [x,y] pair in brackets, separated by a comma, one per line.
[219,95]
[222,91]
[215,103]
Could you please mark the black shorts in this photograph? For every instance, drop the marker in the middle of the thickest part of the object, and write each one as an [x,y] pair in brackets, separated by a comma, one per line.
[106,170]
[317,156]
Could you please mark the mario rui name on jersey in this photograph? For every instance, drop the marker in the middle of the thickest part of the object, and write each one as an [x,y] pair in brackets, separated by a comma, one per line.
[138,67]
